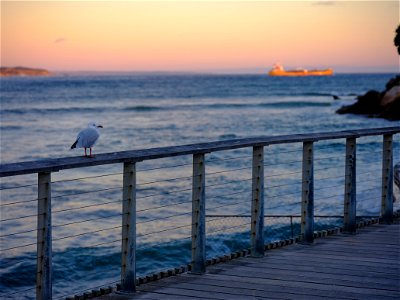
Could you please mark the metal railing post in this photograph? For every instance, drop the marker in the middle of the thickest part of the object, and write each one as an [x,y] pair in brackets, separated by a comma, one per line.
[44,239]
[349,220]
[307,199]
[257,203]
[198,216]
[128,248]
[387,179]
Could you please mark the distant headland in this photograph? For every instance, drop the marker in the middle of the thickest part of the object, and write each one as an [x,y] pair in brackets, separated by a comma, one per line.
[23,71]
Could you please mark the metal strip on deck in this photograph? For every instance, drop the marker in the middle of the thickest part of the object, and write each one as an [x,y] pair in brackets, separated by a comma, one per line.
[362,266]
[57,164]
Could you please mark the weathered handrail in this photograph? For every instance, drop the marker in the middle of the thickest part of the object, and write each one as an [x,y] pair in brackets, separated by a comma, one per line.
[44,168]
[57,164]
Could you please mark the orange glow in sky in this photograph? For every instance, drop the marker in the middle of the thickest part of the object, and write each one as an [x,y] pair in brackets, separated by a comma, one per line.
[208,36]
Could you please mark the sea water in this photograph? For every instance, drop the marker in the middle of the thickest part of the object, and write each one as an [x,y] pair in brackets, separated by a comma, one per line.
[41,116]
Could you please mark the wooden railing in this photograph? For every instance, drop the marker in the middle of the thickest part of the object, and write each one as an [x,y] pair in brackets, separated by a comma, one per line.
[129,159]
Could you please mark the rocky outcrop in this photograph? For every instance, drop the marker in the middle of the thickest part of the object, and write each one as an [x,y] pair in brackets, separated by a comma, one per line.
[376,104]
[23,71]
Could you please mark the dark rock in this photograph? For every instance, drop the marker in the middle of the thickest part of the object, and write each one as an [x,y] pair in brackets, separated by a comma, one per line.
[376,104]
[392,111]
[393,82]
[367,104]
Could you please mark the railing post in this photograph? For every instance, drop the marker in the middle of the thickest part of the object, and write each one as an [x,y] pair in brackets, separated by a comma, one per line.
[307,199]
[198,216]
[44,240]
[257,203]
[387,179]
[128,249]
[349,220]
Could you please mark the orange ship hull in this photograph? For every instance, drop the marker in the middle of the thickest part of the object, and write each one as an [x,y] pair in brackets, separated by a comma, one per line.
[277,72]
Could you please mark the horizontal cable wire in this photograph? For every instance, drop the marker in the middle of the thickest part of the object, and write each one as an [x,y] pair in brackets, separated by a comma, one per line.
[164,193]
[86,192]
[230,194]
[87,220]
[162,206]
[228,158]
[84,233]
[229,182]
[330,177]
[283,174]
[329,168]
[376,188]
[18,186]
[282,195]
[95,245]
[329,197]
[283,163]
[164,230]
[86,206]
[18,202]
[166,180]
[164,218]
[229,228]
[18,292]
[22,217]
[230,204]
[19,246]
[17,233]
[328,187]
[227,171]
[165,167]
[87,177]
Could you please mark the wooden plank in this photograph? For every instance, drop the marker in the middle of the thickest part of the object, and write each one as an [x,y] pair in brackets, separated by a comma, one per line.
[327,269]
[247,286]
[320,276]
[57,164]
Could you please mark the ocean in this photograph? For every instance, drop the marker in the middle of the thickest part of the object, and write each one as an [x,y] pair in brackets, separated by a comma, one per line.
[41,116]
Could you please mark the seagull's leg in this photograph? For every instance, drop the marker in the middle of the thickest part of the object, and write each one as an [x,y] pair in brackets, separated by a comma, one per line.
[85,152]
[90,152]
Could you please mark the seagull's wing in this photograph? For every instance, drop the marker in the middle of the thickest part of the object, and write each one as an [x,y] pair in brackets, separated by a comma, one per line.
[87,138]
[74,144]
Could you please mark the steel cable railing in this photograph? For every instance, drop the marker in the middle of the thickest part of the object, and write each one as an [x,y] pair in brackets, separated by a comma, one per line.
[88,208]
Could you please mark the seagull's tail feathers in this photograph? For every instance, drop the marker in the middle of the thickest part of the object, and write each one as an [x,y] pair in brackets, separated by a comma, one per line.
[74,144]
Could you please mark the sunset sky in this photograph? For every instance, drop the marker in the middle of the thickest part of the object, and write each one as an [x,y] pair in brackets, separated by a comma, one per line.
[203,36]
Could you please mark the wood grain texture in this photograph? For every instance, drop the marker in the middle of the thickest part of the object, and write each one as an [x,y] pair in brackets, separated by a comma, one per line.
[362,266]
[57,164]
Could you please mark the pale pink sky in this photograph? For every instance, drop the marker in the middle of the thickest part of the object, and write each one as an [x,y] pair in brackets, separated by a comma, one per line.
[207,36]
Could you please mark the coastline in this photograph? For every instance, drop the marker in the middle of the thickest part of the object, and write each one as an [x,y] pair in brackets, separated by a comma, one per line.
[23,71]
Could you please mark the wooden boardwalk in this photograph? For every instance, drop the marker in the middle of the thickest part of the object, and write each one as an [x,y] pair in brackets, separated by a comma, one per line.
[362,266]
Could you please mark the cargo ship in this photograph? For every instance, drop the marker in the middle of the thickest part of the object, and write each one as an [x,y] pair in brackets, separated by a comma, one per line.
[278,70]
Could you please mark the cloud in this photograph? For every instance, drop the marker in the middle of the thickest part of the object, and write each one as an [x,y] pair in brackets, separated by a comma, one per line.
[325,3]
[59,40]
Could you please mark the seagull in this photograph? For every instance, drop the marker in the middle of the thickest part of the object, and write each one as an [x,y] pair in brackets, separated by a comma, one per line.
[87,138]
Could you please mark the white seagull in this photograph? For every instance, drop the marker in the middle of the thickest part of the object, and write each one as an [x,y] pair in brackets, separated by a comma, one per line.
[87,138]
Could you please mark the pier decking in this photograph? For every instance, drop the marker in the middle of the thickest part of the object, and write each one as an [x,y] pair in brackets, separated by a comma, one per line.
[344,266]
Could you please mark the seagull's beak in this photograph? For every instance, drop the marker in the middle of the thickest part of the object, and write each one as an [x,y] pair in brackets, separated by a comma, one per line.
[99,126]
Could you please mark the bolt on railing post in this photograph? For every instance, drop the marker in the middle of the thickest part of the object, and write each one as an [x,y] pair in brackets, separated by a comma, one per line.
[198,216]
[387,179]
[44,239]
[307,199]
[128,248]
[349,220]
[257,203]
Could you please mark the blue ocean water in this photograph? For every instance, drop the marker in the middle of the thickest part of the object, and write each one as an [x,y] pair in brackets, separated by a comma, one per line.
[40,118]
